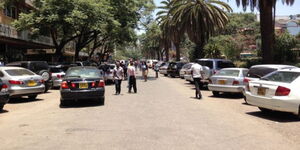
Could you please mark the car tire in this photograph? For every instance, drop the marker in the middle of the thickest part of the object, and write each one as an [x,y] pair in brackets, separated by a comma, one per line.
[264,110]
[45,75]
[165,75]
[32,97]
[216,94]
[1,107]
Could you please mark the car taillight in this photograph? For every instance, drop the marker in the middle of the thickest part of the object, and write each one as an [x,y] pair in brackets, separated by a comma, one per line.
[246,82]
[58,76]
[101,83]
[64,85]
[282,91]
[73,85]
[42,81]
[235,82]
[93,84]
[15,82]
[4,87]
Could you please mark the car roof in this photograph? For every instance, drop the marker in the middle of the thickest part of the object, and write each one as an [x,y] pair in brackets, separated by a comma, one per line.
[234,69]
[83,67]
[291,70]
[10,67]
[212,59]
[275,66]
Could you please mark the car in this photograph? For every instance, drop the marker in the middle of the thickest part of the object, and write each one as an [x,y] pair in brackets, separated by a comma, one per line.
[39,67]
[22,82]
[276,91]
[174,68]
[150,63]
[188,74]
[4,95]
[184,69]
[82,83]
[229,80]
[164,69]
[58,73]
[258,71]
[108,72]
[158,65]
[212,66]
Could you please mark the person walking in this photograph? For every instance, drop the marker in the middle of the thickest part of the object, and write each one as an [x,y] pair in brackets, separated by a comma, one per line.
[132,78]
[197,76]
[118,76]
[145,71]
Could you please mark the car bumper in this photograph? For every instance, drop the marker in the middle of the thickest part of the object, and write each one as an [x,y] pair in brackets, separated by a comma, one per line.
[188,78]
[163,72]
[57,83]
[26,91]
[276,103]
[225,88]
[4,97]
[67,94]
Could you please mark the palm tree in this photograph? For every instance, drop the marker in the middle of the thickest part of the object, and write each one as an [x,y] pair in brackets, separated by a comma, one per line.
[200,19]
[267,23]
[170,32]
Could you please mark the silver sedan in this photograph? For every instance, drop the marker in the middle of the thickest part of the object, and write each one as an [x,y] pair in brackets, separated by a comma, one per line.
[22,82]
[229,80]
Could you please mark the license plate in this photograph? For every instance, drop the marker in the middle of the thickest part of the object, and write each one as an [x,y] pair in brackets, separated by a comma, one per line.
[261,91]
[31,83]
[221,81]
[83,85]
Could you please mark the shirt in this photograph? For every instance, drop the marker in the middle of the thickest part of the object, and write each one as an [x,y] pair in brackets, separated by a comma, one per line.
[118,73]
[196,68]
[131,71]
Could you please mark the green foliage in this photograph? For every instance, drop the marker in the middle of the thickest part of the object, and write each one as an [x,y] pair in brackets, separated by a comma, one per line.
[128,54]
[239,21]
[283,45]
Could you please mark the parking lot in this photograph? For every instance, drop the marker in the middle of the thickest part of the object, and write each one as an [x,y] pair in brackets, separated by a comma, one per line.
[163,115]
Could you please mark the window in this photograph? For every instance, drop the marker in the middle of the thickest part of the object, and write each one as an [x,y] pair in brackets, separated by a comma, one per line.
[1,74]
[10,11]
[229,73]
[259,72]
[224,64]
[206,63]
[19,72]
[83,73]
[282,76]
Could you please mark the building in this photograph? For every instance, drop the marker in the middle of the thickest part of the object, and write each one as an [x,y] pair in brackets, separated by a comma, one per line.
[290,24]
[14,44]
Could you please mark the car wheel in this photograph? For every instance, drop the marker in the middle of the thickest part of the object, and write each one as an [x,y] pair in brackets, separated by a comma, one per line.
[32,97]
[1,107]
[264,110]
[45,75]
[216,94]
[165,75]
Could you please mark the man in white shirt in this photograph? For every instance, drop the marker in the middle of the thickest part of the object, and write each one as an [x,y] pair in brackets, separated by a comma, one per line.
[132,78]
[118,76]
[197,76]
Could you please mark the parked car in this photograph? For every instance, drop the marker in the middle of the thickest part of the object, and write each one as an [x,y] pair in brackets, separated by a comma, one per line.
[39,67]
[174,68]
[150,63]
[213,66]
[22,82]
[164,69]
[58,73]
[229,80]
[82,83]
[184,69]
[188,74]
[258,71]
[276,91]
[4,95]
[108,72]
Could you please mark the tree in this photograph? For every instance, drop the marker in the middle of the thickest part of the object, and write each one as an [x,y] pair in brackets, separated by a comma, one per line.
[283,48]
[200,19]
[267,23]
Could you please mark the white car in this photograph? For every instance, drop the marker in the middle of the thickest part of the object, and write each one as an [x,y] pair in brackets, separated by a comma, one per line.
[277,91]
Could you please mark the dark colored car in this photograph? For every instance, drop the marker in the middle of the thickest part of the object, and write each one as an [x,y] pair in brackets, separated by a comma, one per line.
[39,67]
[174,68]
[4,95]
[82,83]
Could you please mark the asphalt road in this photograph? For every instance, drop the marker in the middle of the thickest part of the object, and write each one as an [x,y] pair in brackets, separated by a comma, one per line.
[162,115]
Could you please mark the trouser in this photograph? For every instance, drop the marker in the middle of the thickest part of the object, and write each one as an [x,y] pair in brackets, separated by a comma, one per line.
[125,73]
[118,86]
[132,83]
[197,82]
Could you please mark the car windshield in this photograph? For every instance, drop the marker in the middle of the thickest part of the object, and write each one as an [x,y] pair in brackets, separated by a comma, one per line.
[206,63]
[19,72]
[259,72]
[224,64]
[83,73]
[230,73]
[282,76]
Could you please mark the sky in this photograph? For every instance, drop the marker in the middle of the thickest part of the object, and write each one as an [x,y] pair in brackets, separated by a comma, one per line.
[281,10]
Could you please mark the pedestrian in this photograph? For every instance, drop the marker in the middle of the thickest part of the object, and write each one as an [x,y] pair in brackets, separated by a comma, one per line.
[124,66]
[132,78]
[197,75]
[145,71]
[118,76]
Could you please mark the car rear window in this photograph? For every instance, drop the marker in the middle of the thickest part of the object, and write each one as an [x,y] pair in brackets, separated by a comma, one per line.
[259,72]
[19,72]
[230,73]
[56,70]
[224,64]
[83,73]
[282,76]
[207,63]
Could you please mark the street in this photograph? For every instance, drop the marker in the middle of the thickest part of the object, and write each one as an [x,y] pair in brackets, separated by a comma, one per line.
[163,115]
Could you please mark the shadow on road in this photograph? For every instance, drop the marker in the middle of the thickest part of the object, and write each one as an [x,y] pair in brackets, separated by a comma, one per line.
[82,103]
[22,100]
[276,116]
[229,96]
[3,111]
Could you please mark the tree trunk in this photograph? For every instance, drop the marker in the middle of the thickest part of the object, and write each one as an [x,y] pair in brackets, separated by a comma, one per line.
[267,29]
[167,47]
[58,53]
[198,52]
[177,46]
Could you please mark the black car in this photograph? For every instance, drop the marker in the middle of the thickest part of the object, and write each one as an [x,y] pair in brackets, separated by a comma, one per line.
[4,95]
[82,83]
[39,67]
[174,68]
